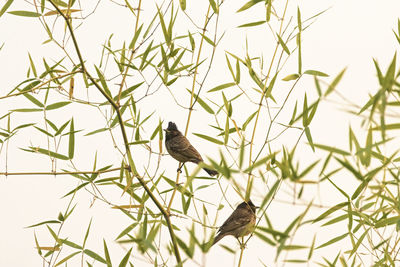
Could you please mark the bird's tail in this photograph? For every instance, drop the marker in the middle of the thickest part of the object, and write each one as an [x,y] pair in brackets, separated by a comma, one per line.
[218,238]
[211,172]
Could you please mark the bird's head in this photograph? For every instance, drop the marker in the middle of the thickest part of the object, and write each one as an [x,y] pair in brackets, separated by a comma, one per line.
[171,131]
[248,204]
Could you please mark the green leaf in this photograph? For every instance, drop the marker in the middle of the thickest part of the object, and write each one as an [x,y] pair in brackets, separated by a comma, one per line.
[192,42]
[270,193]
[27,110]
[208,138]
[57,105]
[135,37]
[41,223]
[393,126]
[214,6]
[204,105]
[70,244]
[387,221]
[237,78]
[66,258]
[335,82]
[333,240]
[49,153]
[208,40]
[5,7]
[316,73]
[71,144]
[164,28]
[309,138]
[125,259]
[102,81]
[330,211]
[291,77]
[360,188]
[349,167]
[249,4]
[359,241]
[305,111]
[226,135]
[107,254]
[282,43]
[24,13]
[252,24]
[32,65]
[94,255]
[332,149]
[222,86]
[97,131]
[87,233]
[43,131]
[182,3]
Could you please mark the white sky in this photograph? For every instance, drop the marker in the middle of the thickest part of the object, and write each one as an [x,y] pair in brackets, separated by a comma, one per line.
[350,34]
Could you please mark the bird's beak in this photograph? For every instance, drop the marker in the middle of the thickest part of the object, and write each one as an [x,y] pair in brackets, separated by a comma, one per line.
[165,130]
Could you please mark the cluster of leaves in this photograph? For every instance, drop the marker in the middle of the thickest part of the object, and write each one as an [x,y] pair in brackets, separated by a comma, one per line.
[158,57]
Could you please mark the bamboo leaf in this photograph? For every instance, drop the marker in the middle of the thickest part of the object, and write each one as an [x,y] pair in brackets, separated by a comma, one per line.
[71,144]
[107,254]
[214,6]
[135,37]
[103,81]
[333,240]
[24,13]
[249,4]
[57,105]
[182,4]
[66,258]
[282,43]
[332,149]
[49,153]
[252,24]
[291,77]
[5,7]
[41,223]
[387,221]
[222,86]
[94,255]
[125,259]
[164,28]
[209,138]
[316,73]
[309,137]
[335,82]
[330,211]
[359,241]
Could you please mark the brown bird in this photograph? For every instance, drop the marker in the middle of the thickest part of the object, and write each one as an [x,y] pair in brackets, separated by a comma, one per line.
[180,148]
[240,223]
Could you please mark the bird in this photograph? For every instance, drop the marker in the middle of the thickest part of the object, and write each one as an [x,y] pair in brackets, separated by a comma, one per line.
[240,223]
[179,147]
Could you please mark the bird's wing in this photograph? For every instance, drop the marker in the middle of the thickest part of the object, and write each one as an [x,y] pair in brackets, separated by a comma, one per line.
[239,218]
[179,143]
[182,145]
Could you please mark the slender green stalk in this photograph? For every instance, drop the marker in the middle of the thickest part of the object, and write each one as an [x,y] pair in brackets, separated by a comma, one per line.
[132,53]
[58,173]
[124,136]
[191,102]
[262,97]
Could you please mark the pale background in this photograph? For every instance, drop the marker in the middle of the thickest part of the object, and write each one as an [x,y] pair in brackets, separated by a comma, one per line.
[349,34]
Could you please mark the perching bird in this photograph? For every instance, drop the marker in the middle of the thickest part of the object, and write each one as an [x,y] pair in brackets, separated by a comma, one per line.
[240,223]
[180,148]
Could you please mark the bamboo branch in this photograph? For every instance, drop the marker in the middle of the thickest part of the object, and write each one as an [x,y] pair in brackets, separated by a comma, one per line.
[123,132]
